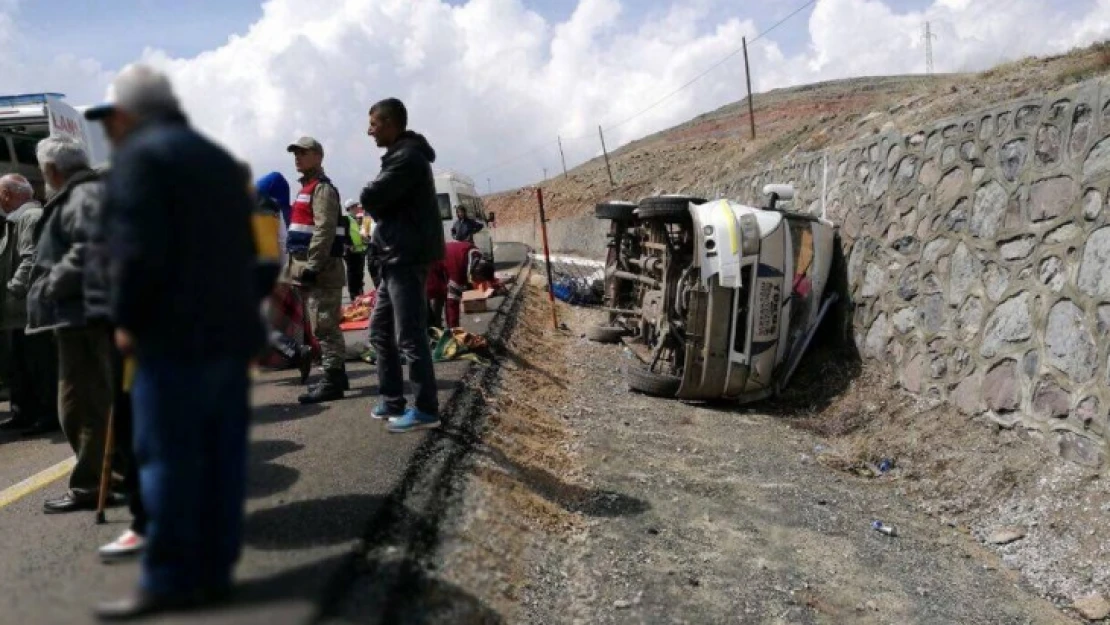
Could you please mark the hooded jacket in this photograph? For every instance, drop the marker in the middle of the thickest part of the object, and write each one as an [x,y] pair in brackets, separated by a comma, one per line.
[57,298]
[276,187]
[402,203]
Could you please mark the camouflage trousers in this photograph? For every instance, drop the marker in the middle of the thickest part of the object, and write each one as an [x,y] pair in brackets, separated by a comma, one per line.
[325,311]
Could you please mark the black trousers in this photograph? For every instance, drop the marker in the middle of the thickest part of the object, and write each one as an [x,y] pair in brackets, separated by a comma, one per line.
[399,325]
[125,462]
[33,375]
[374,268]
[356,273]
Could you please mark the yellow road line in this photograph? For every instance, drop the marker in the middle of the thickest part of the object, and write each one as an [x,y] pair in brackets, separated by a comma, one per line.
[18,491]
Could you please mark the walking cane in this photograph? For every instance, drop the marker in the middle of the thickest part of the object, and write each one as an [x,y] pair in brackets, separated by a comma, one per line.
[110,444]
[106,466]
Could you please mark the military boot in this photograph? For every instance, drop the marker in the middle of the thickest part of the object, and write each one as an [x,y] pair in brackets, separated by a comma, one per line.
[329,389]
[303,361]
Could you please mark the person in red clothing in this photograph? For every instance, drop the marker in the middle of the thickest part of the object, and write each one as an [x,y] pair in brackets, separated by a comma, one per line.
[436,291]
[459,262]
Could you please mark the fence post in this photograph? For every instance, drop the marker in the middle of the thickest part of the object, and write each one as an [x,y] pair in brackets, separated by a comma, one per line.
[562,157]
[748,73]
[547,260]
[606,153]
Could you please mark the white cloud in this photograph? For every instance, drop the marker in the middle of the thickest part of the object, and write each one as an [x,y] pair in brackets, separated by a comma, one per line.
[489,79]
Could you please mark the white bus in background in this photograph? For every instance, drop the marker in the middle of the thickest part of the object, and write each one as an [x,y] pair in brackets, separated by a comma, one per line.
[28,118]
[454,190]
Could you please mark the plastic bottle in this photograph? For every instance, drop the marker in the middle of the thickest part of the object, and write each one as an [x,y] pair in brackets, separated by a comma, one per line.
[883,528]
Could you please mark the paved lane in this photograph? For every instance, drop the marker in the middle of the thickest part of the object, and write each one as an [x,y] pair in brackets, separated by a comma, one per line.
[316,475]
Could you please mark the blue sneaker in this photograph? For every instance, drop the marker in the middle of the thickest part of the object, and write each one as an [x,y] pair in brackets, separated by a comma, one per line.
[383,411]
[412,421]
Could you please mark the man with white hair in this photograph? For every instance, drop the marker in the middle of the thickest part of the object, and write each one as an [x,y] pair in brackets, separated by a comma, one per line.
[182,257]
[56,304]
[33,373]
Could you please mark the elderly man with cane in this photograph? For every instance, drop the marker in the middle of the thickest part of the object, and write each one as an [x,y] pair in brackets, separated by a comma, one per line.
[56,303]
[174,199]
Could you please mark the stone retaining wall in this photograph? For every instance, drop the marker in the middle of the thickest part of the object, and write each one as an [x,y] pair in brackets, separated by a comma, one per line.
[979,258]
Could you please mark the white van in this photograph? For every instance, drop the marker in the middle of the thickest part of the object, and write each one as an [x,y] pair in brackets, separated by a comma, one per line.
[27,119]
[454,190]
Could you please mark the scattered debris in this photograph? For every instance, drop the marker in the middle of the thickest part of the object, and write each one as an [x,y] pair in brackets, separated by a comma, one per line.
[1092,607]
[1006,536]
[578,291]
[883,528]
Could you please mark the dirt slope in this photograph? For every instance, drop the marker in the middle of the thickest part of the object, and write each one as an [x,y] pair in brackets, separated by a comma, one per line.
[591,504]
[700,154]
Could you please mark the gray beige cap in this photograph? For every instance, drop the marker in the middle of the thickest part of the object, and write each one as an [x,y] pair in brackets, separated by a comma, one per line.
[306,143]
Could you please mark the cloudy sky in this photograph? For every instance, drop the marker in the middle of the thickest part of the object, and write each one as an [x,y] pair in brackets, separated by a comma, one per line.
[492,83]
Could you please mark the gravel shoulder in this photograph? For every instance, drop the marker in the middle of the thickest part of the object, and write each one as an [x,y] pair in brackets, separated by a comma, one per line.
[585,503]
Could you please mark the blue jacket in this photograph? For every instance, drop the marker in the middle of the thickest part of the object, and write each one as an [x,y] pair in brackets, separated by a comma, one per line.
[276,187]
[181,247]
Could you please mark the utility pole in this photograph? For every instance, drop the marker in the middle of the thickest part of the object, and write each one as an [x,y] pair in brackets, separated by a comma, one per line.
[748,74]
[929,37]
[489,186]
[606,153]
[562,156]
[545,174]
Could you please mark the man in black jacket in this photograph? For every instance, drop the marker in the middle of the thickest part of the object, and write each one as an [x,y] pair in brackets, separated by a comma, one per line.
[184,302]
[407,239]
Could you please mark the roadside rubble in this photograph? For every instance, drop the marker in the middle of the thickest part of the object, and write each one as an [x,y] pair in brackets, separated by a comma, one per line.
[590,504]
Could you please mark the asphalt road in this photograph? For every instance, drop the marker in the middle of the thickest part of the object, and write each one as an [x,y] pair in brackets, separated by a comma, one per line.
[316,475]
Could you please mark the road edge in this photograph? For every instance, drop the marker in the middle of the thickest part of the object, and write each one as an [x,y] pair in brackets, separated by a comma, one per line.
[404,533]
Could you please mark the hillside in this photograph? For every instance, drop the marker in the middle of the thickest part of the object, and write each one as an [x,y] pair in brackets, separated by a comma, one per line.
[698,155]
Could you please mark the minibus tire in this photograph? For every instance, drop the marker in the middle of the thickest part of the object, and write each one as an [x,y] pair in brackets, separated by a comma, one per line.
[650,383]
[668,208]
[605,334]
[616,211]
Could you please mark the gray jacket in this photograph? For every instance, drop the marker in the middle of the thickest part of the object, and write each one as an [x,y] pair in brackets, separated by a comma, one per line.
[58,280]
[18,258]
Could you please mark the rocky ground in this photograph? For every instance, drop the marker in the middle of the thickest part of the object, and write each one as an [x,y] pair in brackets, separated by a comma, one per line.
[710,150]
[590,504]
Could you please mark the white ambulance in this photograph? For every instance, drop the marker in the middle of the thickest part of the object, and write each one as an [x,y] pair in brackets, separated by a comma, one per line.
[454,190]
[26,119]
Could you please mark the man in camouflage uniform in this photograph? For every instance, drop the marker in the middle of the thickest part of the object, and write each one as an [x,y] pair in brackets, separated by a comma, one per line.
[316,242]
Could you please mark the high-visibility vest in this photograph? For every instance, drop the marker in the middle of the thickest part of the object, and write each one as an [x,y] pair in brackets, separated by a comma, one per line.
[302,224]
[358,244]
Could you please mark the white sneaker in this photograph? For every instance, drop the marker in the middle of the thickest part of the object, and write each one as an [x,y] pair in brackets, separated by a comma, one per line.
[127,545]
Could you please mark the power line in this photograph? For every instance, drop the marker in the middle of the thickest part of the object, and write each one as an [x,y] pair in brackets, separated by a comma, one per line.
[512,159]
[669,95]
[715,65]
